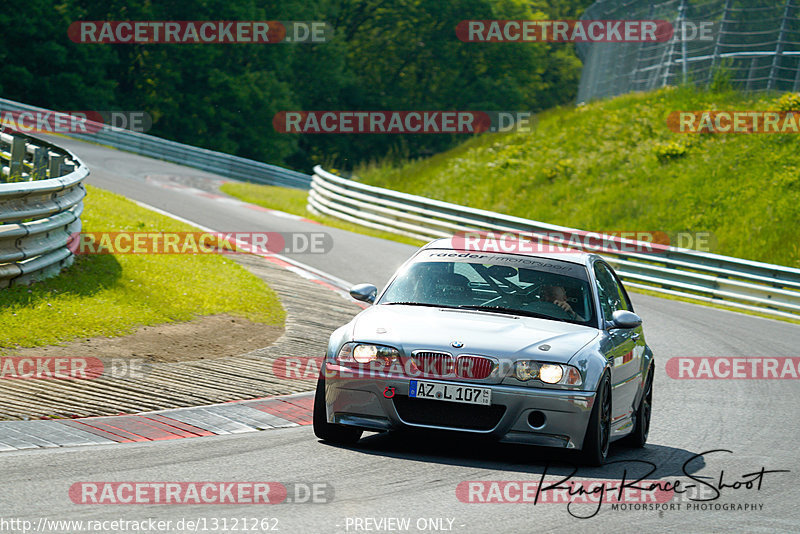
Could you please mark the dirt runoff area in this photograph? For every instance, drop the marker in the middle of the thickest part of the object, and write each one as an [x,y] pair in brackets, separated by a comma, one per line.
[204,338]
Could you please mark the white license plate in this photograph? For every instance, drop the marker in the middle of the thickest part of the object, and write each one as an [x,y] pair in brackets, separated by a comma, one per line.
[449,392]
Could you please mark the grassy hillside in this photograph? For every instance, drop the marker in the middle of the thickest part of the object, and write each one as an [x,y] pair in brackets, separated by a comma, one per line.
[615,166]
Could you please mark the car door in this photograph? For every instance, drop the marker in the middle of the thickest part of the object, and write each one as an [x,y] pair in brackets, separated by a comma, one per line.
[624,347]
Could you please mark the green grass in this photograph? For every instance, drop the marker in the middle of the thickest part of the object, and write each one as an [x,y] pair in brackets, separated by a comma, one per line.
[113,295]
[294,201]
[614,165]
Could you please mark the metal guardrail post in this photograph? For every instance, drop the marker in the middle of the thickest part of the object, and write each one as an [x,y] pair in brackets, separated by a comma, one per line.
[39,164]
[15,166]
[54,165]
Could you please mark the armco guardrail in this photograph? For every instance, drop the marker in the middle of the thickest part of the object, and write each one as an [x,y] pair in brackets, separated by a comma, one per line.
[41,200]
[191,156]
[770,289]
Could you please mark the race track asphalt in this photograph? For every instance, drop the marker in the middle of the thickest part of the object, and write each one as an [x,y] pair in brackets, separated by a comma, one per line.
[416,476]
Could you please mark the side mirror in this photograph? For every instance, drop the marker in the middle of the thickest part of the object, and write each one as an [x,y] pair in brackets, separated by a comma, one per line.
[625,319]
[364,293]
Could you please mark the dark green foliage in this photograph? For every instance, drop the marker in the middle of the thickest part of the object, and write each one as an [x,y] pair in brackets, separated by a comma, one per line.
[385,55]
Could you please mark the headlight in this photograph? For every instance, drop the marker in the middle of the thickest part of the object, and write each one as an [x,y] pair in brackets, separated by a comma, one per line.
[549,373]
[365,353]
[526,370]
[362,353]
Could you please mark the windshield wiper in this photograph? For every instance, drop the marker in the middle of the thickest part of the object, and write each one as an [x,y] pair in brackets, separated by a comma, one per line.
[419,304]
[511,311]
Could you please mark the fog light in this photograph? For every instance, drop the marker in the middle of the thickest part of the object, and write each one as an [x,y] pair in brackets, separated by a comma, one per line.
[536,419]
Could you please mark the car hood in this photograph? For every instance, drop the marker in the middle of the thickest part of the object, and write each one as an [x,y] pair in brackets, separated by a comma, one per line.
[510,337]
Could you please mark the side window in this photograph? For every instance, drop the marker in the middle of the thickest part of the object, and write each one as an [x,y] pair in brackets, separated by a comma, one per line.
[612,296]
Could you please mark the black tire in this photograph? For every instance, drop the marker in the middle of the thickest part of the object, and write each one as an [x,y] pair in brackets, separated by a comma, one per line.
[598,433]
[326,431]
[641,428]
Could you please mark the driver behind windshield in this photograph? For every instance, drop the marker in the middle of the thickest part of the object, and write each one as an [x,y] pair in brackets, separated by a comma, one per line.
[558,296]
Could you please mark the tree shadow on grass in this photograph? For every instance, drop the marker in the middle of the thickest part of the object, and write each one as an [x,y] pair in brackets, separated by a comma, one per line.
[84,278]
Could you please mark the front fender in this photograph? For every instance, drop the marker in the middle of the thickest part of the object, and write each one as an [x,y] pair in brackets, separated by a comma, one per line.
[339,337]
[648,363]
[592,364]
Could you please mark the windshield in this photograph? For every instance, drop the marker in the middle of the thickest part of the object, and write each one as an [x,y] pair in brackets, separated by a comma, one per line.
[492,287]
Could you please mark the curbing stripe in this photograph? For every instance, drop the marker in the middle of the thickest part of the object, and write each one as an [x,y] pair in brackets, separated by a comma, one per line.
[181,423]
[178,425]
[49,430]
[140,426]
[75,423]
[286,410]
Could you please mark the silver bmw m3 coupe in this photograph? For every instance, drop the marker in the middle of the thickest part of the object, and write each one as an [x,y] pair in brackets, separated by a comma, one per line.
[541,349]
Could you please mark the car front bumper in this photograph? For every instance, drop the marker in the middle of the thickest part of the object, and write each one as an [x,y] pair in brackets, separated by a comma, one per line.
[383,404]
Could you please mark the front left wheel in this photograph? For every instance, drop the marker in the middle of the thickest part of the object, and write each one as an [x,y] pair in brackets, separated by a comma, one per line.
[598,433]
[641,428]
[326,431]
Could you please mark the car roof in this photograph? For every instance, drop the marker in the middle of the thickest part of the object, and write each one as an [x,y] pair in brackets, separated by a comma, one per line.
[577,257]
